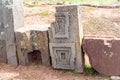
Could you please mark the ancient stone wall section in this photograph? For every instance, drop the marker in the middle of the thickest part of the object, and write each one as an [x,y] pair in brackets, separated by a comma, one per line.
[65,37]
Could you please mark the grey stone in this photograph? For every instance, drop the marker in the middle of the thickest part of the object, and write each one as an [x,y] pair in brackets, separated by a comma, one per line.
[66,30]
[31,40]
[11,18]
[9,36]
[39,40]
[63,55]
[3,54]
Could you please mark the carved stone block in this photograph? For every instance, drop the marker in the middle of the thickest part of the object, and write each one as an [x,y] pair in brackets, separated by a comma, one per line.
[39,41]
[63,55]
[32,41]
[23,46]
[60,26]
[64,32]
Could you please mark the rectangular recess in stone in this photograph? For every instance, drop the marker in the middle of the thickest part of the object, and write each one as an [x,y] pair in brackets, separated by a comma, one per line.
[63,55]
[60,26]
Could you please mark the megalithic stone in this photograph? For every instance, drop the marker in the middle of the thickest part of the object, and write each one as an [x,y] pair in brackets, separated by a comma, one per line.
[12,19]
[65,37]
[103,53]
[9,32]
[30,39]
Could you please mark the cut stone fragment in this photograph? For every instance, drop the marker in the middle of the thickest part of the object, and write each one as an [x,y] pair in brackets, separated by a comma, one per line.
[103,53]
[31,41]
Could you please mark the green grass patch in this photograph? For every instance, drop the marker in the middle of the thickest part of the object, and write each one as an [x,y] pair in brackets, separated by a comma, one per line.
[81,1]
[29,5]
[66,71]
[44,13]
[88,70]
[76,73]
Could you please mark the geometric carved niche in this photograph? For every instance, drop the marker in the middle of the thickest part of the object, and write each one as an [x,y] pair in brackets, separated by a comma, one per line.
[60,26]
[63,55]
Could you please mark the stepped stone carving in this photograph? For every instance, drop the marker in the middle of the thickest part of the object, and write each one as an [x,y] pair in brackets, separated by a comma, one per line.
[65,37]
[62,24]
[64,55]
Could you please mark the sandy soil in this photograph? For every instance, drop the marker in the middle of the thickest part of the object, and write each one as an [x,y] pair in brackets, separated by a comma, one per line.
[95,21]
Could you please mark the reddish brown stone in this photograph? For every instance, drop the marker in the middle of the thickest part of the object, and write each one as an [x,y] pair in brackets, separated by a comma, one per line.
[104,54]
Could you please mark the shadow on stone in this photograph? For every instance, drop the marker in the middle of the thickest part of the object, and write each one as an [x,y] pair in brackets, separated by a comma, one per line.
[34,57]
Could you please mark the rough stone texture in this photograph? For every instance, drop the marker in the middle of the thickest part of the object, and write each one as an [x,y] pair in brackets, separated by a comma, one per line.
[104,54]
[32,39]
[23,46]
[10,17]
[65,37]
[3,56]
[39,40]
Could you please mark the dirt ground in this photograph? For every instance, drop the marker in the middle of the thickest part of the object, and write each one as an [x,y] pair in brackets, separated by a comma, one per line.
[40,72]
[95,21]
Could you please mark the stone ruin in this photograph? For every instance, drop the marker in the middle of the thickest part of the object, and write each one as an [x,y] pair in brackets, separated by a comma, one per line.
[59,45]
[23,45]
[103,53]
[65,39]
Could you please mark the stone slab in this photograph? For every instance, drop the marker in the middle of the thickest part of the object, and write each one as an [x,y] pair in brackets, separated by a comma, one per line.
[9,32]
[103,53]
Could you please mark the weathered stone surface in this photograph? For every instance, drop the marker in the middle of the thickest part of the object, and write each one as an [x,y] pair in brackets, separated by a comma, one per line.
[39,40]
[104,54]
[33,39]
[23,47]
[3,56]
[9,32]
[11,18]
[64,32]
